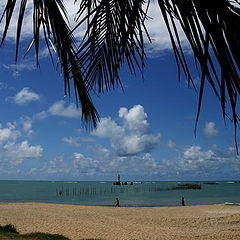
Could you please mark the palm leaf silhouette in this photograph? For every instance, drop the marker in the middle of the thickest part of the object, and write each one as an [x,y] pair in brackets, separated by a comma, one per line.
[213,31]
[50,15]
[115,30]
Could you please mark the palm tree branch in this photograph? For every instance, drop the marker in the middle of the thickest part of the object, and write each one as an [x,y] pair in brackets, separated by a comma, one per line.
[219,49]
[51,16]
[114,34]
[65,42]
[8,11]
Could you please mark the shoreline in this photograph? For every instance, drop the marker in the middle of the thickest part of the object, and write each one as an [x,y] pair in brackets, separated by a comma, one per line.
[76,222]
[124,206]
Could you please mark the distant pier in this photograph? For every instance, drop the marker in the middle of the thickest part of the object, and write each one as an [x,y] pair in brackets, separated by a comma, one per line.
[119,182]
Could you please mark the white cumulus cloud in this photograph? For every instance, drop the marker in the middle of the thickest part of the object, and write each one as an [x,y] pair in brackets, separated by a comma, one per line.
[210,129]
[25,96]
[86,165]
[8,133]
[74,141]
[59,109]
[27,124]
[194,153]
[106,163]
[17,152]
[13,150]
[57,165]
[107,128]
[133,136]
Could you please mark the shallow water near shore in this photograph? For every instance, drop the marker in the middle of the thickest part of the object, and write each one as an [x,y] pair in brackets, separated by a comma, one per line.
[104,193]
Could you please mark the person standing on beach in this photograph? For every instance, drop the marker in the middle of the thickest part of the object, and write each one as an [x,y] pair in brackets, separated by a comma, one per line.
[117,204]
[183,201]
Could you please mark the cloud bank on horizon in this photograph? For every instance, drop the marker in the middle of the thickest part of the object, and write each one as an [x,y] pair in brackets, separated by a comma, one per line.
[130,152]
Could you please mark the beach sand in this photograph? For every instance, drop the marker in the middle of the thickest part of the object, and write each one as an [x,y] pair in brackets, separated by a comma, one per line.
[215,222]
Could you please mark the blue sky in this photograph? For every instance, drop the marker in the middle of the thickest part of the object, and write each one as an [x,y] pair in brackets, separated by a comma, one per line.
[146,132]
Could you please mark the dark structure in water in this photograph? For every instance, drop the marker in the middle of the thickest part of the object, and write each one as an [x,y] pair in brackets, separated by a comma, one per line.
[118,182]
[211,183]
[186,186]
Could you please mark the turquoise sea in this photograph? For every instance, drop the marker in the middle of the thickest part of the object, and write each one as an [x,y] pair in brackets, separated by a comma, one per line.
[105,193]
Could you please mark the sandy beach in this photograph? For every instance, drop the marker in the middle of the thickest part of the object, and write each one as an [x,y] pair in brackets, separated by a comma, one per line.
[219,222]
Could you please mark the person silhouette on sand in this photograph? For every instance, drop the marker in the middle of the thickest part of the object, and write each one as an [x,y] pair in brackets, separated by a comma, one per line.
[183,201]
[117,204]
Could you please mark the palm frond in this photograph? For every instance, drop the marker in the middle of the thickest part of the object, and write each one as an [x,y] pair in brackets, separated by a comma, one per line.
[115,33]
[50,15]
[65,45]
[8,12]
[213,30]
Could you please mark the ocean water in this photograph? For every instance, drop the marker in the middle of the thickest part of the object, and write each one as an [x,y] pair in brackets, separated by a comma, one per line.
[105,193]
